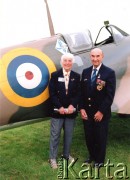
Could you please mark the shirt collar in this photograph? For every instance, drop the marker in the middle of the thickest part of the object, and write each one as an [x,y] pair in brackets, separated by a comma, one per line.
[97,67]
[64,72]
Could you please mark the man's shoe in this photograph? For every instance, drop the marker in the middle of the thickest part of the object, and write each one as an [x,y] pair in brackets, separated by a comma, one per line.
[98,165]
[53,163]
[88,161]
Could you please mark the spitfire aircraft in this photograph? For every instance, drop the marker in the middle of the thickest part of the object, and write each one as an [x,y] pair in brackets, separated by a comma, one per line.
[25,70]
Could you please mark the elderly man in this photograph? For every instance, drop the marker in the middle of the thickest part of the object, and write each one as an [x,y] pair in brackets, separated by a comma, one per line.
[98,88]
[64,94]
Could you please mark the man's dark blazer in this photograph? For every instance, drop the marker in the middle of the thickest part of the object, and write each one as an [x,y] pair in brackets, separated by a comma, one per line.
[100,96]
[58,95]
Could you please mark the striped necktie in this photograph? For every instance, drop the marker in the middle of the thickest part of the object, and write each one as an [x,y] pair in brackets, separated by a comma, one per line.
[93,78]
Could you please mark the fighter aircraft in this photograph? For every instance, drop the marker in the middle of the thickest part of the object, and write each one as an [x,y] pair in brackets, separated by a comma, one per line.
[25,70]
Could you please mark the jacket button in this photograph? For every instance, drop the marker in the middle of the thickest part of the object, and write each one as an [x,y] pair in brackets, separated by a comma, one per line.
[89,99]
[89,105]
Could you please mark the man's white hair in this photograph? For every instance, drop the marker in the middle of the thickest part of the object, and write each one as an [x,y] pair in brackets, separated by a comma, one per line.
[67,56]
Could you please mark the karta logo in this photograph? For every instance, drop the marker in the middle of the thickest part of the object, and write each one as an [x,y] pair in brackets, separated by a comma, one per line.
[66,169]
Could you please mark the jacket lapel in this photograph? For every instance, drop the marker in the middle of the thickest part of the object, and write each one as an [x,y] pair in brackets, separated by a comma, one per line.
[89,76]
[62,84]
[100,72]
[70,81]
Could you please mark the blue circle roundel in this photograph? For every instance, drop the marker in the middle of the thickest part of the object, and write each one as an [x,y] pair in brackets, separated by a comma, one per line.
[30,76]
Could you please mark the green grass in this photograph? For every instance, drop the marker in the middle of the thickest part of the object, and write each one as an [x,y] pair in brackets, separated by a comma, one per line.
[24,151]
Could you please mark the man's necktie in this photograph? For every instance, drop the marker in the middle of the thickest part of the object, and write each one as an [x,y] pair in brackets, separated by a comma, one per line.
[93,78]
[66,82]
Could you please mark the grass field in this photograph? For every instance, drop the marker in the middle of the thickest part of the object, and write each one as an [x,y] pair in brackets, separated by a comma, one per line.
[24,152]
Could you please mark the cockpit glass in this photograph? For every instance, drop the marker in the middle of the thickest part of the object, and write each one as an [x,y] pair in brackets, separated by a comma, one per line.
[79,41]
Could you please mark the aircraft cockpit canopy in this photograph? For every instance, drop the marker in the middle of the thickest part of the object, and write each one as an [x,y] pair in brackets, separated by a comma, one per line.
[79,41]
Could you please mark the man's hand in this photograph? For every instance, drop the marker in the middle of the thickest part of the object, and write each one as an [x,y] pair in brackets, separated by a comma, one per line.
[98,116]
[83,114]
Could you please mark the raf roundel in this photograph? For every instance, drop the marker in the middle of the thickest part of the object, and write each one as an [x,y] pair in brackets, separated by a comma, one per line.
[27,73]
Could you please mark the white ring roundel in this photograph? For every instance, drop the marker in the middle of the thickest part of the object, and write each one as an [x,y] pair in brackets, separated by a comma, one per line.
[28,75]
[25,76]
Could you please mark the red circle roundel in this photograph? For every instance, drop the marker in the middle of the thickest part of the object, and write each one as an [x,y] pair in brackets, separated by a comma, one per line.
[26,76]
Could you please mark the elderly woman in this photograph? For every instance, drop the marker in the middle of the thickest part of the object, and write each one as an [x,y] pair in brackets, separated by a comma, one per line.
[64,94]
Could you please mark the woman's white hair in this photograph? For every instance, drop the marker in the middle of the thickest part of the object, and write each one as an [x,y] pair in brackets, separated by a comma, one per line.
[67,56]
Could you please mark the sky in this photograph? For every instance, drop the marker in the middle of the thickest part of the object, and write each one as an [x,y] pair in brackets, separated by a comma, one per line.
[26,20]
